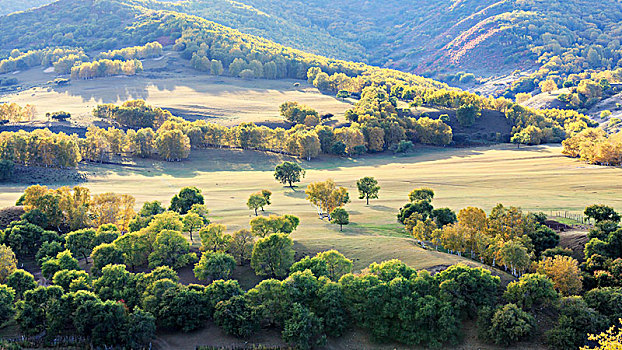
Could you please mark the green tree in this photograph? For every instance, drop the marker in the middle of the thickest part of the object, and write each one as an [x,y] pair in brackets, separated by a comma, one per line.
[289,173]
[21,281]
[543,238]
[368,188]
[337,264]
[171,249]
[576,320]
[340,217]
[273,255]
[7,297]
[192,221]
[600,213]
[241,245]
[141,329]
[256,201]
[530,291]
[214,266]
[510,324]
[187,197]
[237,317]
[304,329]
[421,194]
[105,254]
[467,114]
[214,238]
[81,242]
[63,261]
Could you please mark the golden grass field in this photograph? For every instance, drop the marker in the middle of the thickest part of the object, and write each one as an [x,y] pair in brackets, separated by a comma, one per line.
[184,91]
[534,178]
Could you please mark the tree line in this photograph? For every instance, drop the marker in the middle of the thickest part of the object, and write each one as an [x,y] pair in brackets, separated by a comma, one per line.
[594,146]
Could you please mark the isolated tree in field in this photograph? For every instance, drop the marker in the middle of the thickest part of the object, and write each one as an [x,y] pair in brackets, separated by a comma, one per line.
[564,272]
[192,222]
[214,266]
[368,188]
[326,196]
[8,262]
[600,212]
[340,217]
[256,201]
[187,197]
[421,194]
[289,173]
[273,255]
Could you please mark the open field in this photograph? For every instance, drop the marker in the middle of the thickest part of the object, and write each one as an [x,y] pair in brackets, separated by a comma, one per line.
[185,92]
[534,178]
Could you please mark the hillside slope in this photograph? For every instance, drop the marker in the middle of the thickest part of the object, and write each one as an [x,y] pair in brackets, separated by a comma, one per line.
[485,36]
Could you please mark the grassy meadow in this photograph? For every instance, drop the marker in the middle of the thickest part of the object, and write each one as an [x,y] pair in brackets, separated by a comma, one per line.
[185,92]
[534,178]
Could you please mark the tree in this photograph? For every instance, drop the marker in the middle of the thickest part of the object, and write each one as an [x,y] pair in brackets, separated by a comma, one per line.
[289,173]
[303,329]
[135,247]
[7,296]
[467,114]
[21,281]
[296,113]
[105,254]
[607,340]
[531,290]
[468,288]
[187,197]
[256,201]
[214,238]
[543,238]
[237,317]
[340,217]
[192,221]
[141,329]
[8,262]
[171,249]
[81,242]
[214,266]
[510,324]
[418,194]
[63,261]
[172,145]
[326,196]
[548,85]
[273,255]
[564,272]
[443,216]
[574,323]
[263,226]
[600,212]
[368,188]
[336,263]
[241,245]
